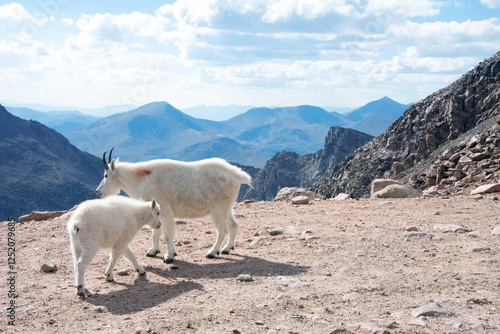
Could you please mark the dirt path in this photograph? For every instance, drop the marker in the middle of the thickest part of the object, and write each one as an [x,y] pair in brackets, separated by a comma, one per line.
[367,261]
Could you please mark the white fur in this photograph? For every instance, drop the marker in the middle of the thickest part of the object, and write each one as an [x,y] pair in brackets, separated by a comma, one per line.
[184,190]
[108,223]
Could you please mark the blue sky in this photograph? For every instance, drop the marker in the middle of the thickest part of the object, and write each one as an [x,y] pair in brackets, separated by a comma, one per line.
[253,52]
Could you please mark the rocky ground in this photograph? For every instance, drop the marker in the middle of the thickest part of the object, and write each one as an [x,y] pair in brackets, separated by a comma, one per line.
[353,266]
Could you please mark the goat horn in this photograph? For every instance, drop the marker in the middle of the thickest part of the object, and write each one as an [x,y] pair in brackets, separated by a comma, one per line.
[106,167]
[109,159]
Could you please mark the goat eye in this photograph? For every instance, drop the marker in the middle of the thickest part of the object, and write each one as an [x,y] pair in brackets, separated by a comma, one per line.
[106,175]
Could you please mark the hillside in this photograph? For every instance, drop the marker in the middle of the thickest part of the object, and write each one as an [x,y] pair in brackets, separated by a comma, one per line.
[40,169]
[424,127]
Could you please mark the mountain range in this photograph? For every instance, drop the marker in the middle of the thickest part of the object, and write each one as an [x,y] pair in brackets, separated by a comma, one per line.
[409,146]
[159,130]
[40,169]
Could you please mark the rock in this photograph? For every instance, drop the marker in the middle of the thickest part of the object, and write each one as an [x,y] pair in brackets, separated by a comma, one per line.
[351,296]
[254,240]
[300,200]
[496,231]
[418,322]
[122,273]
[431,310]
[342,197]
[292,282]
[307,235]
[99,309]
[41,215]
[379,184]
[259,322]
[283,230]
[451,228]
[397,191]
[362,328]
[249,201]
[487,188]
[476,249]
[479,156]
[245,278]
[48,267]
[408,235]
[287,194]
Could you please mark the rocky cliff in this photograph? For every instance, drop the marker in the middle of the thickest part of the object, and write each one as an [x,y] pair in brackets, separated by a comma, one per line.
[287,169]
[423,129]
[41,170]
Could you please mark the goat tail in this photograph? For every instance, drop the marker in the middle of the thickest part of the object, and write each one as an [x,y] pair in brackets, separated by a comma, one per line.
[244,178]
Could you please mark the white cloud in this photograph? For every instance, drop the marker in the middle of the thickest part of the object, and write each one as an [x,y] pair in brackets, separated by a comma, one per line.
[491,3]
[15,12]
[67,21]
[404,8]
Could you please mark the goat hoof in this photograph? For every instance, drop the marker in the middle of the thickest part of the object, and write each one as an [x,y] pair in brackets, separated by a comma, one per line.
[141,274]
[210,256]
[168,260]
[225,252]
[152,255]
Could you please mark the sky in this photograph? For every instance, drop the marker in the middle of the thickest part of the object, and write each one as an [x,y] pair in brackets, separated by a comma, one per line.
[89,54]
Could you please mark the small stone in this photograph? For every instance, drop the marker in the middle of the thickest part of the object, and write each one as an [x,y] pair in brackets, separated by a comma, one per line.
[365,328]
[418,322]
[249,201]
[411,229]
[245,278]
[451,228]
[99,309]
[235,331]
[430,310]
[259,322]
[479,301]
[48,267]
[122,273]
[474,234]
[307,235]
[496,231]
[476,249]
[409,235]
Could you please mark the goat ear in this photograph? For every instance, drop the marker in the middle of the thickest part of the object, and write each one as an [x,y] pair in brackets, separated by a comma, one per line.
[112,165]
[153,203]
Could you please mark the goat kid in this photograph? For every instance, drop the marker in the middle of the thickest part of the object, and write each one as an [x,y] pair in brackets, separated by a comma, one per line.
[184,190]
[108,223]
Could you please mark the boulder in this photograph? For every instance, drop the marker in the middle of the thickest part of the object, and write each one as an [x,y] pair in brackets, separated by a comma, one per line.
[342,197]
[487,188]
[379,184]
[300,200]
[397,191]
[286,194]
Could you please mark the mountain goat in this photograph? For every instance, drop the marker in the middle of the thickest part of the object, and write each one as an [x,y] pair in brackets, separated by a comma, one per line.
[108,223]
[184,190]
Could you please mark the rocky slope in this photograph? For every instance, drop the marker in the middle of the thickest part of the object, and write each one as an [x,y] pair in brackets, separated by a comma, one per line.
[425,127]
[40,169]
[288,169]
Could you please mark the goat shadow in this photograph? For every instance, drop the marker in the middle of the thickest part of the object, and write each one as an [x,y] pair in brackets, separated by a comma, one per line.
[140,296]
[150,294]
[229,266]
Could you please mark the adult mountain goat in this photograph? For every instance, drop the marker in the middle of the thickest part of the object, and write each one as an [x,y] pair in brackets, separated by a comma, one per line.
[184,190]
[108,223]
